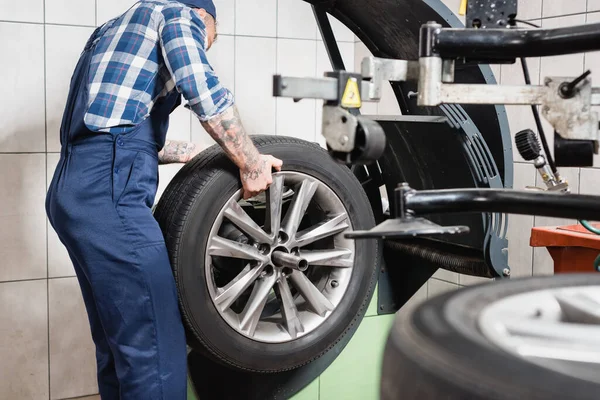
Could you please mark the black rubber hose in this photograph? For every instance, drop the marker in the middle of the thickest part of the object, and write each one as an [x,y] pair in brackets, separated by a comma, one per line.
[433,253]
[538,121]
[559,205]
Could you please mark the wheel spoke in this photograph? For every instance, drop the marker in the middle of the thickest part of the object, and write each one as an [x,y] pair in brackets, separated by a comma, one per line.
[315,299]
[274,204]
[329,227]
[234,289]
[229,248]
[289,311]
[256,303]
[302,198]
[330,258]
[236,214]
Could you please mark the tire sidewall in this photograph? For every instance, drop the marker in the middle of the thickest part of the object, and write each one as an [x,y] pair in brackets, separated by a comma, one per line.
[204,320]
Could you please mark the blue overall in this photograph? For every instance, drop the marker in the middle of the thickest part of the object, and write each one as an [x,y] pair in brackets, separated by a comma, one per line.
[99,203]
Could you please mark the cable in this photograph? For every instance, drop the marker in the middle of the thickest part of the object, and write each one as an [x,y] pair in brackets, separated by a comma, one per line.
[595,230]
[538,121]
[589,227]
[536,114]
[527,23]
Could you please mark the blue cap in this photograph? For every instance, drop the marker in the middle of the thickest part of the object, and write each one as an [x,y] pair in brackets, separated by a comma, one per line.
[208,5]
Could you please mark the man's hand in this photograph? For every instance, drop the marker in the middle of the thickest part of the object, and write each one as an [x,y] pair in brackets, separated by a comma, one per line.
[258,178]
[255,169]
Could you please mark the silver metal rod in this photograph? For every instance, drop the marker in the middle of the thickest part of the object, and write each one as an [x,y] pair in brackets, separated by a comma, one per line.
[286,260]
[492,94]
[312,88]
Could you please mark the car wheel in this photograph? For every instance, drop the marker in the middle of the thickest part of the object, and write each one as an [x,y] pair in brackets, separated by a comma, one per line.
[269,284]
[536,338]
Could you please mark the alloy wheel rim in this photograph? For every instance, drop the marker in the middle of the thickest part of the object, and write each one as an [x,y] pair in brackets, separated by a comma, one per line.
[558,329]
[300,221]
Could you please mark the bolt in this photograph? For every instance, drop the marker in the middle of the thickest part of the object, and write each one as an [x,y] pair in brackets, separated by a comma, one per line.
[547,81]
[381,307]
[506,272]
[545,109]
[264,248]
[335,284]
[344,140]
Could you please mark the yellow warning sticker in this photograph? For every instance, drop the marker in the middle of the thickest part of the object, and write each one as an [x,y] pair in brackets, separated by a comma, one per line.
[351,97]
[463,7]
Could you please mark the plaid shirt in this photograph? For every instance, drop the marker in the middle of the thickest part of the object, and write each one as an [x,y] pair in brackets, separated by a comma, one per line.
[154,48]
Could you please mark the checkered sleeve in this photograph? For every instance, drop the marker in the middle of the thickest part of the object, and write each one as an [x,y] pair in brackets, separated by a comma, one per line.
[182,42]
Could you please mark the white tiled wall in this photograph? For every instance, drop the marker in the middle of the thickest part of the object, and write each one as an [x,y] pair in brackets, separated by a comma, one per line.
[46,349]
[45,346]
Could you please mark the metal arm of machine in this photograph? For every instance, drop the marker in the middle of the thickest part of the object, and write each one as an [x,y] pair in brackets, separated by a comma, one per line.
[500,44]
[410,204]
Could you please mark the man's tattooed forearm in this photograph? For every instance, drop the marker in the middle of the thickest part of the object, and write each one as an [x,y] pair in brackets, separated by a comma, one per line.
[227,130]
[176,152]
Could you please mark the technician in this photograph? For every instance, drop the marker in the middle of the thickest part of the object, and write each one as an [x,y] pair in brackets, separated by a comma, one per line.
[130,77]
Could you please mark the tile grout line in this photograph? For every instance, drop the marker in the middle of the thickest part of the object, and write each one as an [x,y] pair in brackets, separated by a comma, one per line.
[46,220]
[46,24]
[38,279]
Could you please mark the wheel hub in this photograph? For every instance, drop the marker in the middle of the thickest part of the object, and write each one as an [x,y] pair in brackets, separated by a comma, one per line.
[298,264]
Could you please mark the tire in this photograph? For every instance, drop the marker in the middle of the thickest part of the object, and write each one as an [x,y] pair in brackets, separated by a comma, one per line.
[444,349]
[189,214]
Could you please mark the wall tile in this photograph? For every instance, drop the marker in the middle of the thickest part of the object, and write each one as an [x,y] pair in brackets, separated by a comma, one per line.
[570,65]
[295,20]
[225,17]
[592,60]
[542,262]
[24,344]
[529,9]
[552,8]
[75,12]
[64,45]
[222,59]
[468,280]
[436,287]
[109,9]
[22,216]
[589,180]
[388,104]
[347,52]
[520,253]
[296,58]
[22,81]
[59,263]
[72,351]
[255,96]
[256,18]
[342,380]
[593,5]
[165,174]
[447,276]
[24,11]
[180,124]
[340,31]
